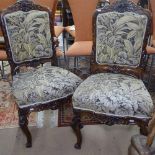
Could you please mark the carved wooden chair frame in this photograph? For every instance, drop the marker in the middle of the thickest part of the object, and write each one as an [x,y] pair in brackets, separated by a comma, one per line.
[76,125]
[24,112]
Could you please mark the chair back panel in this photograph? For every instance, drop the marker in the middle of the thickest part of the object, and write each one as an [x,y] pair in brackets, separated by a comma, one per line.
[120,37]
[3,5]
[27,33]
[82,11]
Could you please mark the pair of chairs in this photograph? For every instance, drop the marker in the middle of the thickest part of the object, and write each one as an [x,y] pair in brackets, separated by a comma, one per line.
[115,94]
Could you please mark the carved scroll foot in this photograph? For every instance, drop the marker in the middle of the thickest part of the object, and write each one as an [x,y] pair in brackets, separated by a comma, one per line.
[23,123]
[77,126]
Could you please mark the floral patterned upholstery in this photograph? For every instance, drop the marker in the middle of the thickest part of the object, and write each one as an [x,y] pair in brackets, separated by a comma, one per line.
[43,85]
[113,94]
[29,35]
[119,38]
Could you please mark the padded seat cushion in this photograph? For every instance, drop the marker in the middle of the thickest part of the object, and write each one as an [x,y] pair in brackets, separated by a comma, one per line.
[43,85]
[113,94]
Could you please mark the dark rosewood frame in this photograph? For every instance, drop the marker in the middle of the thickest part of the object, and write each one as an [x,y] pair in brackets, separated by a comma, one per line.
[27,5]
[119,6]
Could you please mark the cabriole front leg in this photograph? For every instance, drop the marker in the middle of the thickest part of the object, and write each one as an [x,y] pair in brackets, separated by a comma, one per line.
[23,123]
[77,126]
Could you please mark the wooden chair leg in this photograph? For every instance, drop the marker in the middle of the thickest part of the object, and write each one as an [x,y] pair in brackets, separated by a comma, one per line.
[151,131]
[150,138]
[23,123]
[77,126]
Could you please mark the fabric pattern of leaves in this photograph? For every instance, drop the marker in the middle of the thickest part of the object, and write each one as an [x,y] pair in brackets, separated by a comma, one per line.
[44,84]
[119,38]
[29,35]
[113,94]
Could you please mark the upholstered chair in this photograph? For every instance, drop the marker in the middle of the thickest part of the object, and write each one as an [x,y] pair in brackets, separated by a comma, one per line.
[28,31]
[115,92]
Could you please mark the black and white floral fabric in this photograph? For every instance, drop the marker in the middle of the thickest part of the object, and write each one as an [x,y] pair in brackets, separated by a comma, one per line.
[29,35]
[119,38]
[44,84]
[113,94]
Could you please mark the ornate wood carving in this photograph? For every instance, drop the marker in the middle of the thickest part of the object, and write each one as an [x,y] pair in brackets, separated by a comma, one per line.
[23,123]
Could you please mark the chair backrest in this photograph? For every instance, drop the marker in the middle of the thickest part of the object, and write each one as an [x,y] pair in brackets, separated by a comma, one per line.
[3,5]
[27,34]
[82,11]
[120,37]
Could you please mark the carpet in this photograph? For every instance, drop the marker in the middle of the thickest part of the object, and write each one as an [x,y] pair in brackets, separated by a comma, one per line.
[65,115]
[8,108]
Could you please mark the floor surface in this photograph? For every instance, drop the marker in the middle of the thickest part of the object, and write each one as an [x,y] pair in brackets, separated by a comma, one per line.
[97,140]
